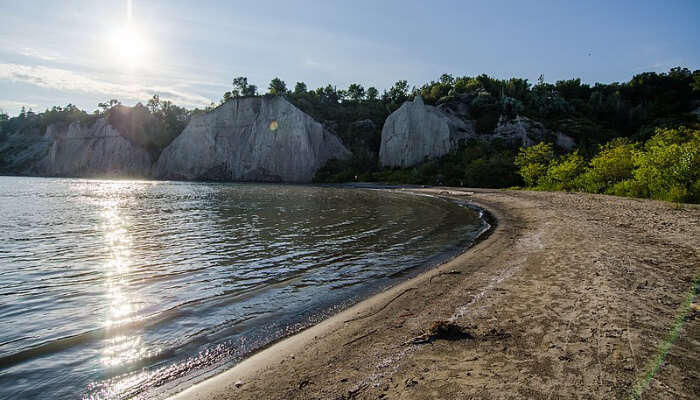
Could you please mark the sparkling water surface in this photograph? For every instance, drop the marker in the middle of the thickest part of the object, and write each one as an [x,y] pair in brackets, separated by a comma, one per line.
[136,289]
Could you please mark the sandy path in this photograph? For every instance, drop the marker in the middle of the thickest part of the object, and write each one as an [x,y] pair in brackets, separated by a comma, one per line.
[572,296]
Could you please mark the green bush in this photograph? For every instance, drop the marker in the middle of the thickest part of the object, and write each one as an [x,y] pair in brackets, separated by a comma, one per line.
[562,173]
[666,167]
[669,166]
[613,164]
[533,162]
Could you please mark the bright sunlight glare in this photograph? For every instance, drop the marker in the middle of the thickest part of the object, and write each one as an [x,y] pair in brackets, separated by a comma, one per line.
[130,47]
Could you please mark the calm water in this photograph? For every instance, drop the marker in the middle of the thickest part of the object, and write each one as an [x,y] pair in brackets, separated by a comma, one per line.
[118,289]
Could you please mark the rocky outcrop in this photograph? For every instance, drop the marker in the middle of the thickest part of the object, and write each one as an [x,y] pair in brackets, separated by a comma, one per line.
[21,152]
[528,132]
[98,150]
[95,150]
[416,132]
[250,139]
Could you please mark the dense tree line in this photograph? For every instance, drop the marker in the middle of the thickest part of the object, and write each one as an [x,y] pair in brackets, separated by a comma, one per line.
[592,114]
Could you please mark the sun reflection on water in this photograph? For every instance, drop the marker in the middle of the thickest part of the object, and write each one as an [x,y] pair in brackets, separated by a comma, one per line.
[122,345]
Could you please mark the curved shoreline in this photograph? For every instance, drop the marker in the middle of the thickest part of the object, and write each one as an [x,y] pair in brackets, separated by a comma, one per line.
[259,357]
[568,295]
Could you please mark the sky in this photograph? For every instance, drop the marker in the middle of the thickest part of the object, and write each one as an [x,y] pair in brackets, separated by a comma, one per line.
[88,51]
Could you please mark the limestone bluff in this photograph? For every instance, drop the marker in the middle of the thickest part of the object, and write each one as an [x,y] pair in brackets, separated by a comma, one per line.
[260,139]
[264,139]
[417,132]
[247,139]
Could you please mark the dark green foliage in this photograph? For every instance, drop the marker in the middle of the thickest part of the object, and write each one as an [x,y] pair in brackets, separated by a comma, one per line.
[277,87]
[241,87]
[474,164]
[372,93]
[151,128]
[397,94]
[299,89]
[356,92]
[344,117]
[29,122]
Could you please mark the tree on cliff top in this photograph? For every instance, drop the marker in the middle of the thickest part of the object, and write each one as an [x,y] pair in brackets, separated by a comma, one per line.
[300,88]
[278,87]
[243,88]
[356,92]
[372,93]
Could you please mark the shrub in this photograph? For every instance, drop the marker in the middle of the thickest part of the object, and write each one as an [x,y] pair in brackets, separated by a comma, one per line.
[613,164]
[533,161]
[669,166]
[562,173]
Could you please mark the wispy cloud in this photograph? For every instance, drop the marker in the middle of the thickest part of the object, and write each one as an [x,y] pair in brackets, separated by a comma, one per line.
[65,80]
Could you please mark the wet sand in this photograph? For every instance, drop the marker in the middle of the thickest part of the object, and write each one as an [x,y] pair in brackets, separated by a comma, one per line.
[571,296]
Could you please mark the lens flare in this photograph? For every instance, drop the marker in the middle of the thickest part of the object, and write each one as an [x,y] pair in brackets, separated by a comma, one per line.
[273,126]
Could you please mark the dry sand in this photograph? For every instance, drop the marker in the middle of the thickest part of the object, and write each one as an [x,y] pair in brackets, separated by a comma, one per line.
[571,296]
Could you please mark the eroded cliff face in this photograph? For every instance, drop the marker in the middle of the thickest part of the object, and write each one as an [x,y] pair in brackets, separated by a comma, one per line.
[416,132]
[264,139]
[98,150]
[528,133]
[95,150]
[20,152]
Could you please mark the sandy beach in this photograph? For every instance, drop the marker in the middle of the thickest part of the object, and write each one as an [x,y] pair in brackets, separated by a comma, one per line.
[571,296]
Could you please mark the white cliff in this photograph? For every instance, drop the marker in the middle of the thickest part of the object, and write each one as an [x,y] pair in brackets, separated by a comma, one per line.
[97,150]
[416,132]
[250,139]
[75,150]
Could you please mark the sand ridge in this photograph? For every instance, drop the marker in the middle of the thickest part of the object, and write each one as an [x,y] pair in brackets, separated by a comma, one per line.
[571,296]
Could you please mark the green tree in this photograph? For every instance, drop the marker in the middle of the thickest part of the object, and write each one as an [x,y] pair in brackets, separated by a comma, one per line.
[696,81]
[242,87]
[533,161]
[277,87]
[398,93]
[300,89]
[356,92]
[328,94]
[447,80]
[372,93]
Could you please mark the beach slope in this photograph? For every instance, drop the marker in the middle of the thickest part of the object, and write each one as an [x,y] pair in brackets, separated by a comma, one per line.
[571,296]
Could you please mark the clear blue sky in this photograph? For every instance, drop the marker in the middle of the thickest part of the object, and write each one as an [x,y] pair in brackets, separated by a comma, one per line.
[82,52]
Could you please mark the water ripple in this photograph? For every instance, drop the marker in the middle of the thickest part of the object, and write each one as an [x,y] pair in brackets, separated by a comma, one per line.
[109,289]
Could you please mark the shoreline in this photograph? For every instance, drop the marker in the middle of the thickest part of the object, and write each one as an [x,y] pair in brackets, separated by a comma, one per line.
[260,357]
[541,311]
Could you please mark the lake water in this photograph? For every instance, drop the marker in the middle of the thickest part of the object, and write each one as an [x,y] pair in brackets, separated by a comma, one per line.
[134,289]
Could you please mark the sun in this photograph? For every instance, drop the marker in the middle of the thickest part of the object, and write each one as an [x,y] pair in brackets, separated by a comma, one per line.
[130,47]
